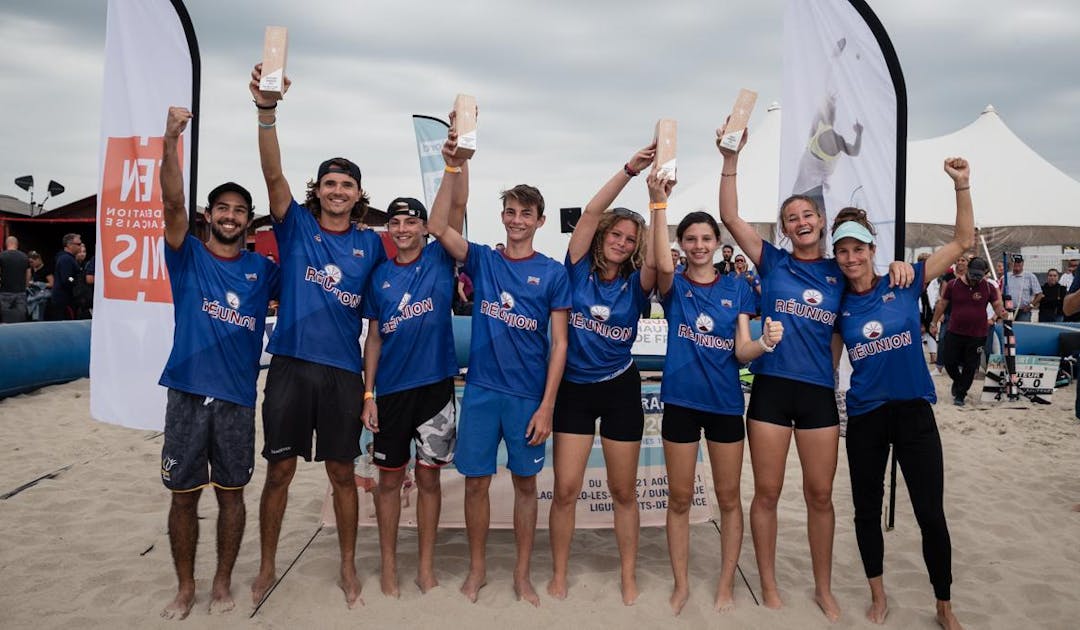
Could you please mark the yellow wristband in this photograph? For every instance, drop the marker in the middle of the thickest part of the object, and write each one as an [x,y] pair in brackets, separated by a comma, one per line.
[369,396]
[660,205]
[452,169]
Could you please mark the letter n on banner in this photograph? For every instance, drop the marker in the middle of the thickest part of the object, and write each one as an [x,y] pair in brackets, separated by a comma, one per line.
[131,222]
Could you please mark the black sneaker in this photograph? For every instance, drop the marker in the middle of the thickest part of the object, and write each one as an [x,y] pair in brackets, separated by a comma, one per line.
[958,401]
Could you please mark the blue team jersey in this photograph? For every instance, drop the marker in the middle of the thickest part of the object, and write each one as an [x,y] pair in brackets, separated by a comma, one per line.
[219,306]
[512,304]
[805,297]
[701,371]
[884,342]
[324,275]
[603,322]
[412,304]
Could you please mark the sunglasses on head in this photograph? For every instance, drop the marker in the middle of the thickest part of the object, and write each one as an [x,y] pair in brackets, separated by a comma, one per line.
[628,214]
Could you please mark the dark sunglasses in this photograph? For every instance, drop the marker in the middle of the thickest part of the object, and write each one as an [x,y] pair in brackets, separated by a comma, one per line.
[628,214]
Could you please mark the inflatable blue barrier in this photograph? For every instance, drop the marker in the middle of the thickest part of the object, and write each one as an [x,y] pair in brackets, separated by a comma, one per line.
[1039,339]
[36,354]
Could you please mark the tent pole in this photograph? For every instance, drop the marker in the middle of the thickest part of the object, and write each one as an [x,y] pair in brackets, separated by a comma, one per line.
[986,251]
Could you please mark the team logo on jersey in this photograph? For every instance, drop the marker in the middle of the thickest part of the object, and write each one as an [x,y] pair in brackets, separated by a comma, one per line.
[386,284]
[812,297]
[506,301]
[359,253]
[726,303]
[404,300]
[976,296]
[318,238]
[534,280]
[888,297]
[703,323]
[251,276]
[333,272]
[232,299]
[830,279]
[873,329]
[600,312]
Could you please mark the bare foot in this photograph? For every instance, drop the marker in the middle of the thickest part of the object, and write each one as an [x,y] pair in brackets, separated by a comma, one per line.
[426,581]
[725,597]
[629,590]
[350,585]
[180,607]
[472,585]
[945,617]
[827,603]
[679,595]
[878,610]
[770,598]
[523,588]
[262,584]
[557,587]
[389,583]
[221,599]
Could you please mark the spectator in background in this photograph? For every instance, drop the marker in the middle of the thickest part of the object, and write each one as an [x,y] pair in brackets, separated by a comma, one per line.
[463,296]
[680,262]
[725,266]
[1050,308]
[1068,275]
[999,267]
[1071,307]
[1024,289]
[82,302]
[39,290]
[65,271]
[14,276]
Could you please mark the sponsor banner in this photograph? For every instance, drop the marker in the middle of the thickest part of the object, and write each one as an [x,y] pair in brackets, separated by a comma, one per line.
[844,132]
[1035,376]
[651,338]
[430,136]
[594,507]
[150,60]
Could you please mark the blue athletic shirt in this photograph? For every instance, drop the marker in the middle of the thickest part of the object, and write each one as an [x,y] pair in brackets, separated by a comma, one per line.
[512,304]
[603,322]
[219,306]
[701,371]
[324,275]
[805,297]
[884,342]
[412,303]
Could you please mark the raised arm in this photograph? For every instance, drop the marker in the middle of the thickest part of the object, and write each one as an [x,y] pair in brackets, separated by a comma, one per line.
[851,149]
[745,235]
[664,273]
[172,178]
[459,195]
[277,188]
[581,239]
[938,263]
[438,222]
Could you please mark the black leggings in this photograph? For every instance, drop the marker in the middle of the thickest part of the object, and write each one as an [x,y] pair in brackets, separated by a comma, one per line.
[909,425]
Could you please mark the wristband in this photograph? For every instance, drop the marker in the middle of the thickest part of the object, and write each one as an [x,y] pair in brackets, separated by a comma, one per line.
[452,169]
[962,188]
[659,205]
[270,125]
[764,345]
[629,171]
[369,396]
[728,174]
[274,106]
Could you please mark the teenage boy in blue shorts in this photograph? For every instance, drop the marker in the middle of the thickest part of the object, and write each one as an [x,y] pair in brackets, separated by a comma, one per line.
[220,297]
[315,382]
[409,364]
[514,370]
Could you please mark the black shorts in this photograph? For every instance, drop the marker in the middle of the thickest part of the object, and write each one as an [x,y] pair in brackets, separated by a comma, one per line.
[302,397]
[617,402]
[685,425]
[200,430]
[426,416]
[791,403]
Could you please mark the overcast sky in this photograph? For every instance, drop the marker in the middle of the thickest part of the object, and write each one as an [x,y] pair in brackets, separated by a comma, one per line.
[567,90]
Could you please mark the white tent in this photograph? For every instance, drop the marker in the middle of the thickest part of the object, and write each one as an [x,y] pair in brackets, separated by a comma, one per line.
[1020,198]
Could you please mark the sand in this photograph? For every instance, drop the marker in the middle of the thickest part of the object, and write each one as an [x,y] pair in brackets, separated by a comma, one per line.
[88,548]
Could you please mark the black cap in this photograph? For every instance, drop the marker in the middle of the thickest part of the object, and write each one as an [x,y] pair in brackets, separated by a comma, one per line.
[229,187]
[1018,258]
[339,165]
[978,264]
[406,206]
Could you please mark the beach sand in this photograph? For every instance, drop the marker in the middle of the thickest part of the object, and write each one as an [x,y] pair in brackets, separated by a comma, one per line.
[88,548]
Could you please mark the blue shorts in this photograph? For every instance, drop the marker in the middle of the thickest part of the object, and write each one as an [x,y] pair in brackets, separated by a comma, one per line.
[486,417]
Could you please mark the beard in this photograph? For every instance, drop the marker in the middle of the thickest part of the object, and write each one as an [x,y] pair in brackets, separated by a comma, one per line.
[222,238]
